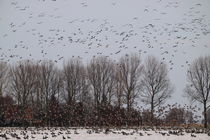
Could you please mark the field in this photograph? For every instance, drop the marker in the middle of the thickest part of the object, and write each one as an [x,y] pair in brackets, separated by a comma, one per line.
[102,134]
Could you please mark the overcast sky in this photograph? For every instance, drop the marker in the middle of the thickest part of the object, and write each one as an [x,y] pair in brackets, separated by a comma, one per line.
[175,31]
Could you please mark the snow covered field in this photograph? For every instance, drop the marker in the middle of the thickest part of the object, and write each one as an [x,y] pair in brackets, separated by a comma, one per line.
[96,134]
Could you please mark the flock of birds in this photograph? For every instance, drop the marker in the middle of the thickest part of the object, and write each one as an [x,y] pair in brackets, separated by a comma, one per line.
[95,37]
[71,133]
[162,111]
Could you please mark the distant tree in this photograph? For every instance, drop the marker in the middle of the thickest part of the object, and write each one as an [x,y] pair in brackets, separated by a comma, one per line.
[23,81]
[198,86]
[130,73]
[75,83]
[100,73]
[156,86]
[58,85]
[48,85]
[3,77]
[48,79]
[75,87]
[3,85]
[119,88]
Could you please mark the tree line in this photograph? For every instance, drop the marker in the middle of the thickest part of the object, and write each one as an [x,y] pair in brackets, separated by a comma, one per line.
[103,92]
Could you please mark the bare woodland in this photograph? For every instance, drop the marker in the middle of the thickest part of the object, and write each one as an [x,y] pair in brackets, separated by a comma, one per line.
[102,93]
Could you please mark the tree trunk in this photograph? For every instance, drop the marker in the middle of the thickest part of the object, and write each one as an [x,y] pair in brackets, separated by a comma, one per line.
[128,110]
[128,106]
[205,115]
[152,110]
[128,102]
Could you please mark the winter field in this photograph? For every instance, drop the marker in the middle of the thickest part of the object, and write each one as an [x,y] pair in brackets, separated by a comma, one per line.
[102,134]
[104,63]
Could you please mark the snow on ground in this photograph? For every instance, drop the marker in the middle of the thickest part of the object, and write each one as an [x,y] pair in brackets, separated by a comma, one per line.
[96,134]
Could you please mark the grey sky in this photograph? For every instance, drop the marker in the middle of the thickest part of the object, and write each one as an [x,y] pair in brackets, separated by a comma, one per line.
[175,31]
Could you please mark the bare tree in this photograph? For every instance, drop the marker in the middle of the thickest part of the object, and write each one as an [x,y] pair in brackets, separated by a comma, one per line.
[3,85]
[156,86]
[3,77]
[130,72]
[57,84]
[49,81]
[23,81]
[198,86]
[84,94]
[75,87]
[119,87]
[100,75]
[75,82]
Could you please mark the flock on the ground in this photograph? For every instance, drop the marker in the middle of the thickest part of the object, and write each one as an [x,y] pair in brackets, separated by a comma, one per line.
[71,133]
[96,38]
